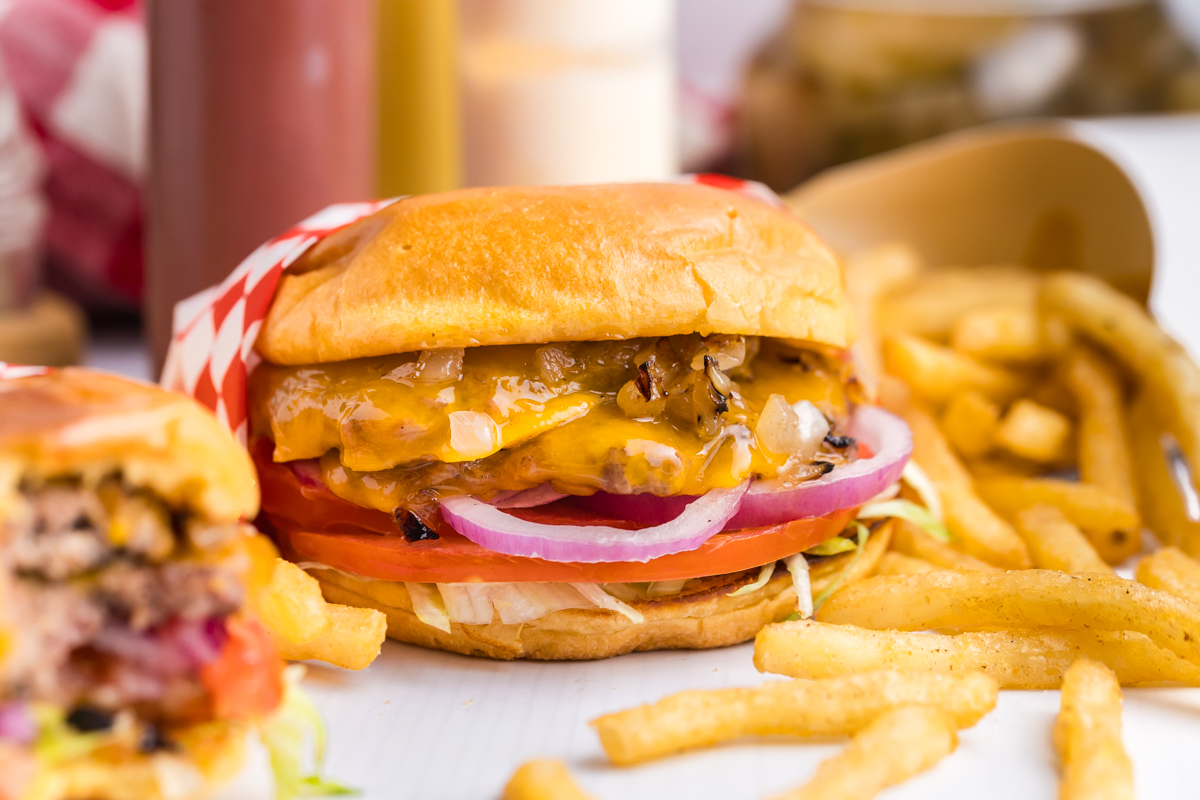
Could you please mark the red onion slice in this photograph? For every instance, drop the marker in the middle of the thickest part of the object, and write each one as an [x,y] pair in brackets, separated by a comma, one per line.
[490,527]
[527,498]
[846,486]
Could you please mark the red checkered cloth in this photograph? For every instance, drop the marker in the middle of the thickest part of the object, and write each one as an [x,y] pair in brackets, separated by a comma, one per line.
[212,344]
[79,71]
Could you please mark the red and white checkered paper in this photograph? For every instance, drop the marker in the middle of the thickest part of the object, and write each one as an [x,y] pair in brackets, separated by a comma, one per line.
[212,343]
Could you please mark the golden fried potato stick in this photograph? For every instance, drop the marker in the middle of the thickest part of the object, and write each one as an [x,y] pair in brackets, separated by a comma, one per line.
[896,745]
[1087,736]
[931,306]
[1033,599]
[1054,543]
[1103,437]
[835,707]
[969,422]
[894,563]
[1163,507]
[871,274]
[1009,335]
[1035,432]
[352,640]
[979,530]
[291,605]
[1084,504]
[1171,570]
[1165,371]
[938,373]
[910,540]
[543,779]
[1017,659]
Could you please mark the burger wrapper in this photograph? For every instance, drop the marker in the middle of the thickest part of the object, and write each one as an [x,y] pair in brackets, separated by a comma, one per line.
[213,334]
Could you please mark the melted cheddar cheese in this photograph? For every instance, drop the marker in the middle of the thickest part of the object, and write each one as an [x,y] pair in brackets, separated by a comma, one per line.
[393,432]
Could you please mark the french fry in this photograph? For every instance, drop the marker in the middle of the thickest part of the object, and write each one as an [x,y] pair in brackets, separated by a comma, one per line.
[1170,570]
[1084,505]
[978,529]
[1051,393]
[836,707]
[896,745]
[1009,335]
[894,563]
[352,640]
[912,541]
[292,606]
[1035,432]
[931,306]
[543,779]
[1054,543]
[1163,507]
[1017,659]
[1166,373]
[1104,458]
[871,274]
[1033,599]
[1003,465]
[1087,736]
[937,373]
[969,422]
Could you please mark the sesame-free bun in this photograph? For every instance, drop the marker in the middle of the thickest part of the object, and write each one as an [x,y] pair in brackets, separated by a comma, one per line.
[705,618]
[79,422]
[518,265]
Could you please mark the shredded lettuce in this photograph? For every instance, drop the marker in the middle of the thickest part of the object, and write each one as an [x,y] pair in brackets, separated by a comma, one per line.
[863,534]
[764,575]
[285,733]
[921,483]
[831,547]
[595,593]
[428,605]
[800,582]
[57,741]
[907,510]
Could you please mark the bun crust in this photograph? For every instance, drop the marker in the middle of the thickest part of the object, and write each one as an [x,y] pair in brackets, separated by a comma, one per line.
[522,265]
[77,421]
[698,621]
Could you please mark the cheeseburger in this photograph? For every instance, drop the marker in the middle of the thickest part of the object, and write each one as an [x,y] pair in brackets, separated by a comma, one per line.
[568,423]
[129,666]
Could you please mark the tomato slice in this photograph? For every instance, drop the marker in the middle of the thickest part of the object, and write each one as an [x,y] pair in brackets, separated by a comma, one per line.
[246,678]
[367,542]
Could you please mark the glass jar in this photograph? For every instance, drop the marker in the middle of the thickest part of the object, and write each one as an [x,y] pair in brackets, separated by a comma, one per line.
[849,78]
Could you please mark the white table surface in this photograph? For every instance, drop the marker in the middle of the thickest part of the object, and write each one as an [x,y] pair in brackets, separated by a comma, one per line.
[431,725]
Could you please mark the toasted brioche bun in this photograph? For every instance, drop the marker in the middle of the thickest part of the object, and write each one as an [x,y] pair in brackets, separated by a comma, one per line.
[77,421]
[210,755]
[553,264]
[694,621]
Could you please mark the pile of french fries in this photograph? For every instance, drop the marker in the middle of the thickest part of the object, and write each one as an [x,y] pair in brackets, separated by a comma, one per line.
[1055,422]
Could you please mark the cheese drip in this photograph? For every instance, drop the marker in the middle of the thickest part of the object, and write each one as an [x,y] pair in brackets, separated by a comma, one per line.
[515,417]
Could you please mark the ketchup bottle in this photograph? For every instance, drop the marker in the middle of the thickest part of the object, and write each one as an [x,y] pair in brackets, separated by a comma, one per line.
[262,113]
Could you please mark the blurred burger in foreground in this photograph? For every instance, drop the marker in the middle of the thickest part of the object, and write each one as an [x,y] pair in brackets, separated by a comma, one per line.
[130,665]
[568,423]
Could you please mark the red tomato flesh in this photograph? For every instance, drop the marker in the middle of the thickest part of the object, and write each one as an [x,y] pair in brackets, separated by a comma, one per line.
[311,523]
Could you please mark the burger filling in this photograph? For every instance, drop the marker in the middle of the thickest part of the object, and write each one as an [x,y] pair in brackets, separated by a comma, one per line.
[120,615]
[676,415]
